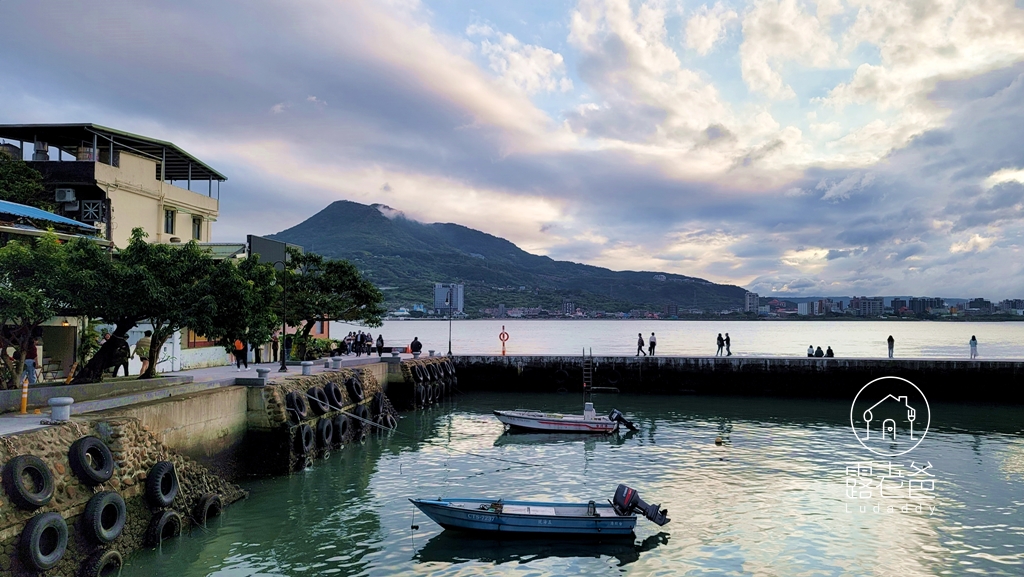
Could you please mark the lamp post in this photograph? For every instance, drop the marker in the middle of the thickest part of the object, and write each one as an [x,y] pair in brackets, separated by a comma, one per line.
[450,301]
[284,313]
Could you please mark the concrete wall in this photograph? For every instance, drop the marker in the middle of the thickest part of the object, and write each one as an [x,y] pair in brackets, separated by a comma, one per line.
[956,381]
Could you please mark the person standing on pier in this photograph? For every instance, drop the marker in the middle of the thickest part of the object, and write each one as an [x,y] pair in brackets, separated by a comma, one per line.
[651,344]
[142,349]
[640,344]
[974,347]
[892,343]
[728,345]
[380,345]
[273,346]
[122,353]
[359,344]
[721,344]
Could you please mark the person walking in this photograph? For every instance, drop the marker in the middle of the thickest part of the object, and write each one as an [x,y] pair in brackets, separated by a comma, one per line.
[274,343]
[359,344]
[810,350]
[31,360]
[380,345]
[241,355]
[640,344]
[974,347]
[721,344]
[728,345]
[892,343]
[651,344]
[257,351]
[142,350]
[122,354]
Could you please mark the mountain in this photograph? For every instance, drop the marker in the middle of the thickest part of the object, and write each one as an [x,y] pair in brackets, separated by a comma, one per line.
[405,257]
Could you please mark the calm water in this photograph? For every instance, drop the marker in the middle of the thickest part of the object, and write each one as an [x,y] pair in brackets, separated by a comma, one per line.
[996,340]
[771,501]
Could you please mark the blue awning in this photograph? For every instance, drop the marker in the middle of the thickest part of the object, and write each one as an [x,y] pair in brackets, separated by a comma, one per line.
[25,211]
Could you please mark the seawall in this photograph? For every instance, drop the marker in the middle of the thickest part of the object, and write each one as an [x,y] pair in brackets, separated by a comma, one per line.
[798,377]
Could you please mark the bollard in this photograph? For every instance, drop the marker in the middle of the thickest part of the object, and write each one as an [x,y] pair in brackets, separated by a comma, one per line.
[431,352]
[335,362]
[395,352]
[307,367]
[416,354]
[60,408]
[263,373]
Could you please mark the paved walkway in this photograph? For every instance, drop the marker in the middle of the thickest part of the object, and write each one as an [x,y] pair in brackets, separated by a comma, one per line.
[14,423]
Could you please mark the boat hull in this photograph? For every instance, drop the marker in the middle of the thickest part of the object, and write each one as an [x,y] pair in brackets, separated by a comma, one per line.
[555,423]
[523,518]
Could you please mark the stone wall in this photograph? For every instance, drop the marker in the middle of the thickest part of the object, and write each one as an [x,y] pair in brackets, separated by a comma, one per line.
[135,451]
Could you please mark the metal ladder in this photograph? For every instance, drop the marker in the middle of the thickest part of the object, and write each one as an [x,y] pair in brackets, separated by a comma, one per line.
[588,370]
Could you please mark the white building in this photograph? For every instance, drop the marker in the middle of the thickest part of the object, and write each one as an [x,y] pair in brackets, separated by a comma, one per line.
[442,292]
[750,302]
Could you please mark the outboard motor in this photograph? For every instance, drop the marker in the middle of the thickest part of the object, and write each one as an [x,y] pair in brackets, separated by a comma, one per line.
[616,416]
[627,500]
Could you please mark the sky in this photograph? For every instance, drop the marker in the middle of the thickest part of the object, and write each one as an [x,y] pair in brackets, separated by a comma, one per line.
[790,147]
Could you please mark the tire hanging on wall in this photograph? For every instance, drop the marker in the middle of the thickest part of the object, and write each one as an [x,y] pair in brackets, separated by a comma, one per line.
[364,414]
[297,408]
[334,396]
[161,484]
[390,421]
[318,401]
[325,433]
[209,506]
[340,429]
[103,564]
[104,517]
[355,389]
[561,376]
[614,377]
[417,374]
[91,461]
[164,525]
[304,440]
[44,541]
[28,482]
[378,404]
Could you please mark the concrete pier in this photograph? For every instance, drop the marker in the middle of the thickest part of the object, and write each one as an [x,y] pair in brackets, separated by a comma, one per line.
[799,377]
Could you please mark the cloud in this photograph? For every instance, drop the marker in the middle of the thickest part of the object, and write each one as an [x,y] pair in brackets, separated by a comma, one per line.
[527,67]
[707,27]
[976,243]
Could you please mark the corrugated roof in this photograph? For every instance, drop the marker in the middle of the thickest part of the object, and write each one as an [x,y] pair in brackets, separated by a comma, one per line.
[25,211]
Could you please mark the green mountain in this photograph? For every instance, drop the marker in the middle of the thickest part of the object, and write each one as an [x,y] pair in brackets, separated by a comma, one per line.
[405,257]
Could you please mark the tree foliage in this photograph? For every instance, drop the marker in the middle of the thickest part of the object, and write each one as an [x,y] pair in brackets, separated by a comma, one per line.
[22,184]
[319,289]
[245,296]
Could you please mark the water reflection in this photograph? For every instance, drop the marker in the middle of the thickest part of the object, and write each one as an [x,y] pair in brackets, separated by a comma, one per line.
[589,441]
[456,547]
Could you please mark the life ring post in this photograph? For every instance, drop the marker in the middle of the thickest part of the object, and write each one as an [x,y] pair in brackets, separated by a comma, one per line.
[503,336]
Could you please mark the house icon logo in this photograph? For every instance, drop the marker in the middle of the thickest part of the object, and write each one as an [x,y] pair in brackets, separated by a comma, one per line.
[890,416]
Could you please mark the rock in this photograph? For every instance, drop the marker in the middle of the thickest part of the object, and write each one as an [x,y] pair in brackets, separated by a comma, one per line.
[59,468]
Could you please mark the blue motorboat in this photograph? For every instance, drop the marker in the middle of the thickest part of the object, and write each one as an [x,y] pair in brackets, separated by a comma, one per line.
[618,517]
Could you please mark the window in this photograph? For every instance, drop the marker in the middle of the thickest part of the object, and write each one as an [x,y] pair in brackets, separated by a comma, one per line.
[197,228]
[169,221]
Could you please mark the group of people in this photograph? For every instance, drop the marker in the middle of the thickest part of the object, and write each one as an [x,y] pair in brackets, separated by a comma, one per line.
[817,352]
[123,352]
[653,342]
[724,344]
[359,343]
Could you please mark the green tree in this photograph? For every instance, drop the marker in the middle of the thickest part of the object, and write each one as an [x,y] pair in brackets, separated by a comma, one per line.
[327,290]
[22,184]
[245,295]
[35,283]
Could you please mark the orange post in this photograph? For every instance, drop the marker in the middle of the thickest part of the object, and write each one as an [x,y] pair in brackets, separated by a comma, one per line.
[24,396]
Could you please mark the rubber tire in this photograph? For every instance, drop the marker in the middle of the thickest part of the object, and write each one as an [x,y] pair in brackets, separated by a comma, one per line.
[417,374]
[390,421]
[317,401]
[378,404]
[208,503]
[452,366]
[161,484]
[355,389]
[614,377]
[78,458]
[432,372]
[418,396]
[305,440]
[95,515]
[155,533]
[95,566]
[297,408]
[325,433]
[340,429]
[32,536]
[363,413]
[29,498]
[561,376]
[335,398]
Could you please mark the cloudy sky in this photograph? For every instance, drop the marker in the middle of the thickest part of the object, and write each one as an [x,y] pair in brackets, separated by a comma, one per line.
[829,147]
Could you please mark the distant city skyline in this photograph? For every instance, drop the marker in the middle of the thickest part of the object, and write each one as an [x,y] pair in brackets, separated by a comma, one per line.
[793,148]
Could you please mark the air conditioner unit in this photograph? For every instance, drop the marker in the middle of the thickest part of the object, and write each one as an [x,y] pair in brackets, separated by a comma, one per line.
[72,206]
[66,195]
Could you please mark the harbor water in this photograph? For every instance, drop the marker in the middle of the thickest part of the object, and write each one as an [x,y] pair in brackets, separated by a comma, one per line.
[780,338]
[788,492]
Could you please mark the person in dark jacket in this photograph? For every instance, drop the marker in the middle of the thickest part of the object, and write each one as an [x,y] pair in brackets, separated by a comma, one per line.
[640,344]
[892,344]
[380,345]
[721,344]
[415,346]
[819,353]
[828,353]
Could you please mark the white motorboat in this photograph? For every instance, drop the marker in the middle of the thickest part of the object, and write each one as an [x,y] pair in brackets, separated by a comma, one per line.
[588,422]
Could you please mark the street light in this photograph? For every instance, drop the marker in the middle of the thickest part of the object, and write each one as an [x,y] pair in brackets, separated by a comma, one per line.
[449,300]
[284,313]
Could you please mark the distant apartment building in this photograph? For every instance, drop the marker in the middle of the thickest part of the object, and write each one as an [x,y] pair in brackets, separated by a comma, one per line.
[448,298]
[568,307]
[805,309]
[750,302]
[898,304]
[671,310]
[979,305]
[867,306]
[925,304]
